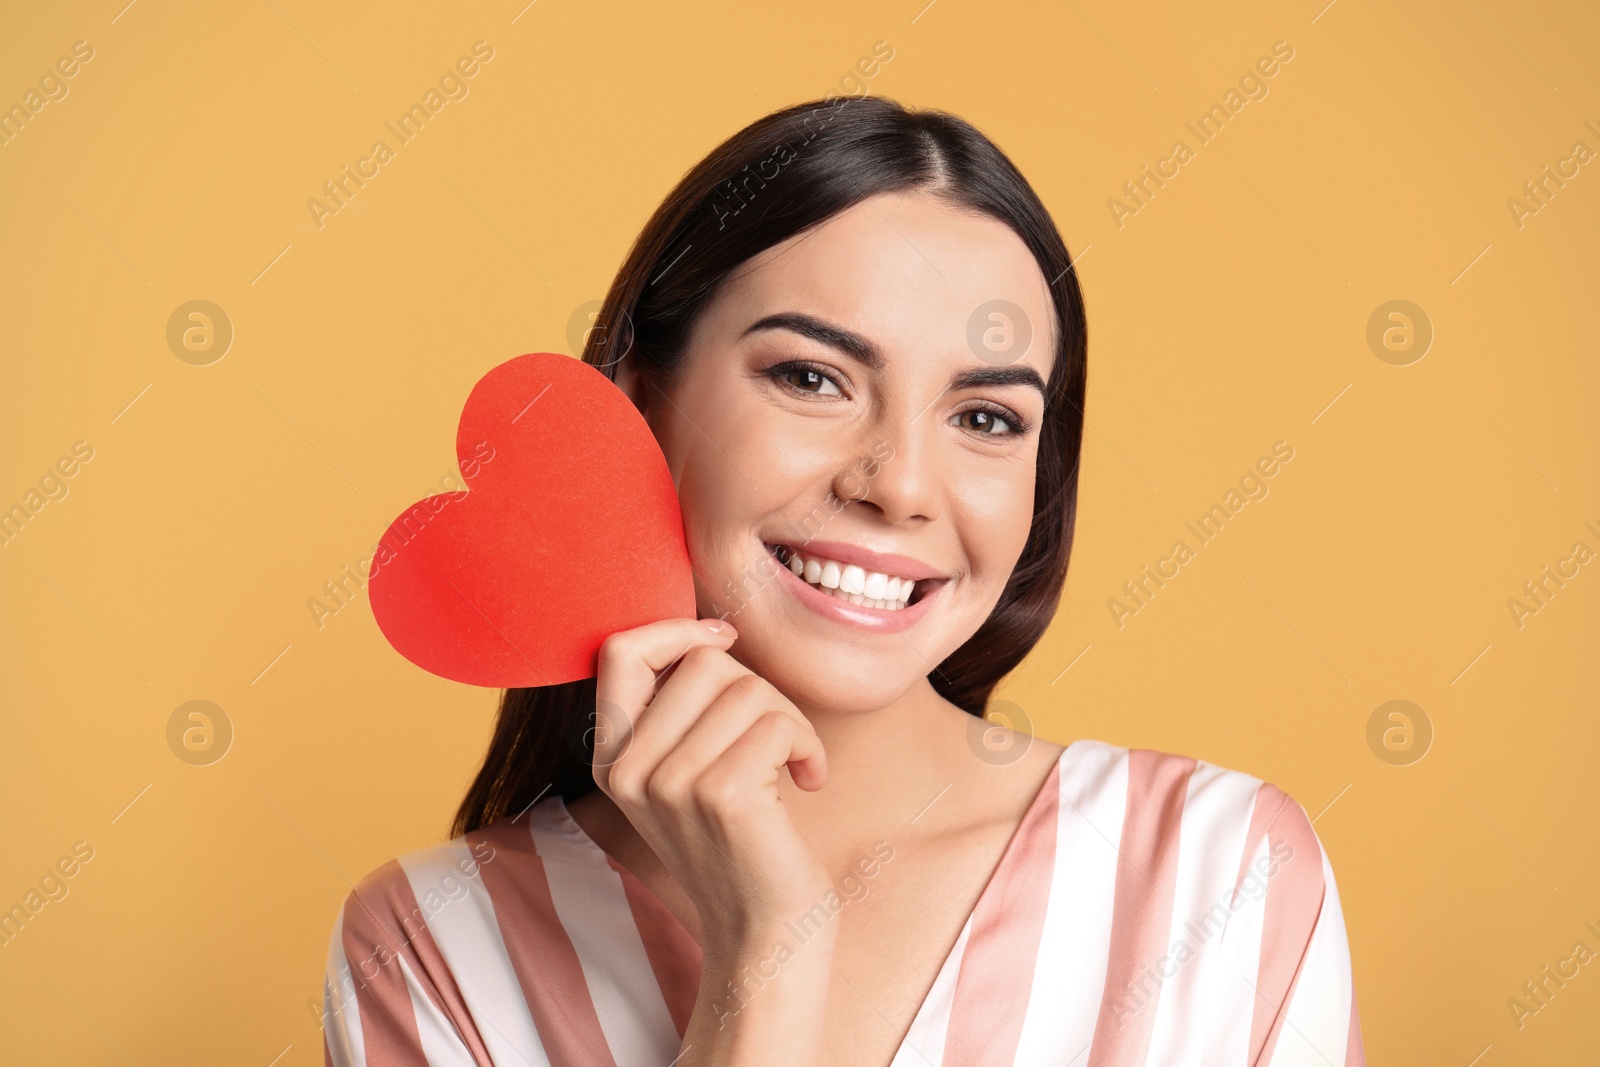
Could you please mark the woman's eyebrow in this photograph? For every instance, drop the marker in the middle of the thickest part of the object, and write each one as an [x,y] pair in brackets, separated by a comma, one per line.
[867,353]
[837,337]
[1014,375]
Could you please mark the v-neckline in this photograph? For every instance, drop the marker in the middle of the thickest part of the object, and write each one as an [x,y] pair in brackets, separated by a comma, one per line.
[962,940]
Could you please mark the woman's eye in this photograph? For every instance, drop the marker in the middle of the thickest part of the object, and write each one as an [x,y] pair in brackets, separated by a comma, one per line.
[808,380]
[985,422]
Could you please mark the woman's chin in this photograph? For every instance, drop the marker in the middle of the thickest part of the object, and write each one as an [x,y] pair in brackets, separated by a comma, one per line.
[833,679]
[827,653]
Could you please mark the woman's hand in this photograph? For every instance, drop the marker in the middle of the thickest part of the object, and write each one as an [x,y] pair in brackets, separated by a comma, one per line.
[694,763]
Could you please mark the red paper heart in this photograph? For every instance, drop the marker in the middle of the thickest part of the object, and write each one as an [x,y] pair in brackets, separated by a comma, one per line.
[569,531]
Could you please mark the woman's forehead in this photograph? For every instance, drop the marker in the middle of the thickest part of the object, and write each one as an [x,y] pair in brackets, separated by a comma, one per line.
[912,272]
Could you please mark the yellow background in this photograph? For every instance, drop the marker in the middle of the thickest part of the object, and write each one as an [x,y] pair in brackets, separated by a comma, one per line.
[1228,314]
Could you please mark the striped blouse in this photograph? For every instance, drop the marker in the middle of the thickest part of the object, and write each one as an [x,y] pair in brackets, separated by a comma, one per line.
[1149,909]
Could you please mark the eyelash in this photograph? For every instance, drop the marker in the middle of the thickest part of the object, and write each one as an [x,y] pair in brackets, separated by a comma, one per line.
[780,373]
[1018,425]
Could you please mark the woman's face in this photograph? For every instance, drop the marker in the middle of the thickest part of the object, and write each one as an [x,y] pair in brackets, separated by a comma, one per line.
[859,405]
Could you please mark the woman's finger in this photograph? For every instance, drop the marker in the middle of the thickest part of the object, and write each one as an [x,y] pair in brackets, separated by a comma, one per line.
[741,771]
[713,736]
[626,681]
[776,742]
[697,680]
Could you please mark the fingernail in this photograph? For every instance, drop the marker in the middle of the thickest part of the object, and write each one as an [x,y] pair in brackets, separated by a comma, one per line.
[716,626]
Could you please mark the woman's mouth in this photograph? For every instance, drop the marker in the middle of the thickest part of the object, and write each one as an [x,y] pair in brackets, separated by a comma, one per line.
[854,591]
[864,588]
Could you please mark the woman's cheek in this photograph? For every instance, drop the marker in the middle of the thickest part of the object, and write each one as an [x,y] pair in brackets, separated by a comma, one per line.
[994,513]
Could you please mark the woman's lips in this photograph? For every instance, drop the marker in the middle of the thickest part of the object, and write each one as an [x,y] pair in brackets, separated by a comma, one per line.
[838,590]
[874,589]
[866,559]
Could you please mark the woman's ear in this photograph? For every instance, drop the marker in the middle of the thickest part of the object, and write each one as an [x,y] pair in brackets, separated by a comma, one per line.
[632,380]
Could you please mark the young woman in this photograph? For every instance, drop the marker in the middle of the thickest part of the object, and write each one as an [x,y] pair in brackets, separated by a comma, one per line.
[783,833]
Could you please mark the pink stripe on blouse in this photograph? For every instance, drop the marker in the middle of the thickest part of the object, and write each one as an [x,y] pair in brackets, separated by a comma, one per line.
[374,950]
[1146,879]
[996,975]
[541,953]
[674,956]
[1294,900]
[426,960]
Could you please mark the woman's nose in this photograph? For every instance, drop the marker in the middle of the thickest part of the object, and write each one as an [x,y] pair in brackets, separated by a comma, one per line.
[894,470]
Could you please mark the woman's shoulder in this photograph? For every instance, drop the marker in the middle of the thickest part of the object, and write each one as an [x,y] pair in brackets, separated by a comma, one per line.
[1160,802]
[1198,848]
[530,892]
[481,873]
[1211,898]
[519,919]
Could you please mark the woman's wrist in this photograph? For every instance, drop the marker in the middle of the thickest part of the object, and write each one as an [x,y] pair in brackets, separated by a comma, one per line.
[766,990]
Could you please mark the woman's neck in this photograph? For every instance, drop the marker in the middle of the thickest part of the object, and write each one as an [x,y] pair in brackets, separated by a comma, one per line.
[885,769]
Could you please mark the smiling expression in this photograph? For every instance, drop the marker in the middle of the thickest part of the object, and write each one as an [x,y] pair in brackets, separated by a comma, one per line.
[857,480]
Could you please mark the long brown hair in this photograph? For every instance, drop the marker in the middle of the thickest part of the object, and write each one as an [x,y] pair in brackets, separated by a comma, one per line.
[776,178]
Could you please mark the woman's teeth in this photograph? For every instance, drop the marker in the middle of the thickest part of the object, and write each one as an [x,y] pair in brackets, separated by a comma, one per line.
[872,589]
